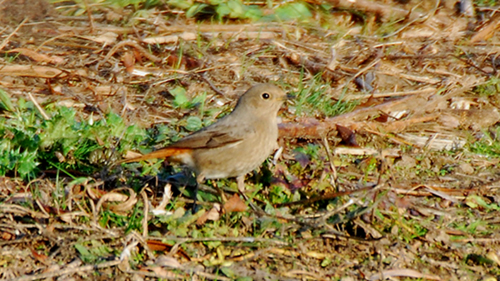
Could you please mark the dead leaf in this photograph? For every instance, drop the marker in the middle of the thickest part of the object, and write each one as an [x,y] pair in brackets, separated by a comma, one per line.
[163,273]
[186,36]
[6,236]
[348,136]
[402,273]
[466,168]
[494,257]
[128,60]
[168,262]
[213,215]
[131,154]
[156,245]
[31,71]
[487,31]
[39,257]
[235,204]
[167,196]
[37,56]
[128,200]
[106,38]
[68,217]
[448,120]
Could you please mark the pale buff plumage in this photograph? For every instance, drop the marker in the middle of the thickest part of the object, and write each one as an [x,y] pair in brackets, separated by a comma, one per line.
[234,145]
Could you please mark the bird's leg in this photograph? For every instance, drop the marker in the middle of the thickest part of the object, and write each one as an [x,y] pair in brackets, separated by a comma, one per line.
[201,178]
[195,198]
[241,189]
[221,192]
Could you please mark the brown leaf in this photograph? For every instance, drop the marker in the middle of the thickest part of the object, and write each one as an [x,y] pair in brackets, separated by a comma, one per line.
[106,38]
[348,136]
[37,56]
[383,117]
[4,235]
[163,273]
[128,60]
[487,31]
[156,245]
[39,257]
[235,204]
[95,193]
[169,39]
[371,101]
[190,63]
[31,71]
[403,202]
[168,262]
[213,215]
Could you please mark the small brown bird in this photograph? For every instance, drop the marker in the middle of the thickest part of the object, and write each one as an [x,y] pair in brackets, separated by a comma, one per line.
[234,145]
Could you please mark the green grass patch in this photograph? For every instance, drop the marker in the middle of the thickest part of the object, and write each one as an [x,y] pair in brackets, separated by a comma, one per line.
[212,9]
[66,141]
[488,145]
[93,251]
[488,88]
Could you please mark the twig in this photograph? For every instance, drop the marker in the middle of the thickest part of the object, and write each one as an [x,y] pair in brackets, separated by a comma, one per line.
[5,28]
[211,85]
[133,44]
[217,67]
[156,275]
[393,94]
[417,19]
[330,159]
[477,240]
[363,70]
[6,41]
[390,152]
[220,239]
[213,276]
[146,213]
[89,14]
[19,210]
[386,11]
[52,39]
[140,239]
[68,271]
[323,218]
[327,196]
[40,109]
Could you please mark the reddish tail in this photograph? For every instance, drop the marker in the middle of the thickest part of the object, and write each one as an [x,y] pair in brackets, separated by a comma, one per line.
[161,153]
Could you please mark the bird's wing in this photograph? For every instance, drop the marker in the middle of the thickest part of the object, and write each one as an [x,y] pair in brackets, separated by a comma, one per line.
[209,137]
[214,136]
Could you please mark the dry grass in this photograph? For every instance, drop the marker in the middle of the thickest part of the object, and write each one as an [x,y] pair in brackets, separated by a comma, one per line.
[417,199]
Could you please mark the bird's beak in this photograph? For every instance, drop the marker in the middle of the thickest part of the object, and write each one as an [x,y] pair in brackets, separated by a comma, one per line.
[290,97]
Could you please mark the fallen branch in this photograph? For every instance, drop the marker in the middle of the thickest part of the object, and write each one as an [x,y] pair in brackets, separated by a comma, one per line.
[70,270]
[315,129]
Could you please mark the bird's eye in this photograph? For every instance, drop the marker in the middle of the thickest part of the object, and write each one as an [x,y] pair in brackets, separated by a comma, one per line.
[265,96]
